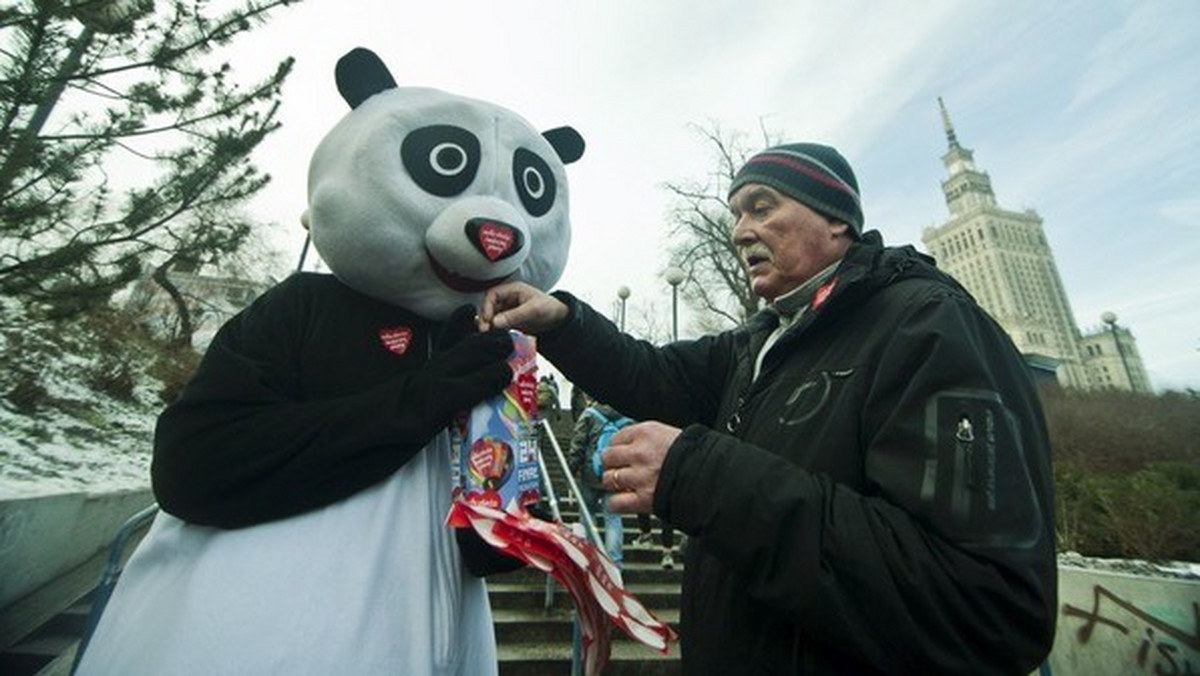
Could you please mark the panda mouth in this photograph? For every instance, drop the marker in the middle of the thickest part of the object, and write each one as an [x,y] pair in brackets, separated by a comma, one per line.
[459,282]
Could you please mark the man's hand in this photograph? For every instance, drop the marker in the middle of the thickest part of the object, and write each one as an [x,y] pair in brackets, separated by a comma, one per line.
[517,305]
[632,464]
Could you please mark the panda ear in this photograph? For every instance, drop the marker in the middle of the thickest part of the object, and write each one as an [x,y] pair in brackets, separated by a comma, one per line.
[566,142]
[361,74]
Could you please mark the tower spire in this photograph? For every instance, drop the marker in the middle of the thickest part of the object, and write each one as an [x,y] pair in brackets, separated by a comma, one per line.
[951,138]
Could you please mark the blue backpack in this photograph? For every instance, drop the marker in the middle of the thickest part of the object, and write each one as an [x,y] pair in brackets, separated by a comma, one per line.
[607,429]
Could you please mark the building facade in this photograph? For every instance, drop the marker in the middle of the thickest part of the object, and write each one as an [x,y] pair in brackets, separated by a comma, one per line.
[212,300]
[1002,257]
[1112,358]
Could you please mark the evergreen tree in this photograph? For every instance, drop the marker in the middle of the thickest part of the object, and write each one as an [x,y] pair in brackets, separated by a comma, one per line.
[124,143]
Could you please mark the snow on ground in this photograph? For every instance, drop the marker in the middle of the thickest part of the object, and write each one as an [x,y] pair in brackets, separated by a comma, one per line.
[73,438]
[62,453]
[1173,569]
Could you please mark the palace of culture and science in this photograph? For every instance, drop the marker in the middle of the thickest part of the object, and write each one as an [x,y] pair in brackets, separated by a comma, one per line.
[1002,258]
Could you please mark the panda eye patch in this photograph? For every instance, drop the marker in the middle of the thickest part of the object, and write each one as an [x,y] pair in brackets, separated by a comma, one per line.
[534,181]
[442,159]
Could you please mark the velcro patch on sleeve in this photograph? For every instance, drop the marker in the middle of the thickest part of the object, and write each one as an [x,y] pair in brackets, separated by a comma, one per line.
[976,485]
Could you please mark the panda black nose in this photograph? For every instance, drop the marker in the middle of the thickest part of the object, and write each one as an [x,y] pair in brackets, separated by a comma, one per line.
[494,239]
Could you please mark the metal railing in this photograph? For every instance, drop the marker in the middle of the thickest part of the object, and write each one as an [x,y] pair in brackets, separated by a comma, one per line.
[585,518]
[585,514]
[112,572]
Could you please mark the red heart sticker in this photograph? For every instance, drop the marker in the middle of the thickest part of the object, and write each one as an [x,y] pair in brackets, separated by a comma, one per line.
[396,338]
[496,240]
[527,392]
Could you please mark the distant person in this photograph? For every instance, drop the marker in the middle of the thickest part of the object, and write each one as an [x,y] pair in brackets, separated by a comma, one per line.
[666,538]
[862,469]
[589,440]
[547,398]
[579,401]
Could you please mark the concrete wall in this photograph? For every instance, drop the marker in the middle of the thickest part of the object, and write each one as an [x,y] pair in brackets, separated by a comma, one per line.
[1124,625]
[41,538]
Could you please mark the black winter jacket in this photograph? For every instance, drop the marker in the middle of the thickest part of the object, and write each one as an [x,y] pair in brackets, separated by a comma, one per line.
[879,500]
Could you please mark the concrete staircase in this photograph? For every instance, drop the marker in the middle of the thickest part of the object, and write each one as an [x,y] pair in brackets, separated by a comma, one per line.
[535,636]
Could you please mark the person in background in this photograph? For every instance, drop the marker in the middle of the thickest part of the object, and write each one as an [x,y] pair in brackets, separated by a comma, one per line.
[579,401]
[547,398]
[666,538]
[862,469]
[587,440]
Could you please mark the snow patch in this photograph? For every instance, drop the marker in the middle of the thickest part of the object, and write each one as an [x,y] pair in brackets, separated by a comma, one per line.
[68,437]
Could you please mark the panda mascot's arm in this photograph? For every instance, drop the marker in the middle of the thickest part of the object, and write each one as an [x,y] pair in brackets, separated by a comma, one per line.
[274,424]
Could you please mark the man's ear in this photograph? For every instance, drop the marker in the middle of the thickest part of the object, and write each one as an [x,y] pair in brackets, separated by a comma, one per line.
[839,229]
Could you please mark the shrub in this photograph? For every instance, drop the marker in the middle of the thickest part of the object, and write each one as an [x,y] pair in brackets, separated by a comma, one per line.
[27,394]
[114,378]
[1079,513]
[173,366]
[1127,475]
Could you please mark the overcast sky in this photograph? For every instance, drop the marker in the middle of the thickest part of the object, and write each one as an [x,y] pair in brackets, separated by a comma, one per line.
[1085,111]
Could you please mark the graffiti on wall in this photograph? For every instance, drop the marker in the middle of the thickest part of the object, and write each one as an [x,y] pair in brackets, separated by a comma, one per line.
[1163,650]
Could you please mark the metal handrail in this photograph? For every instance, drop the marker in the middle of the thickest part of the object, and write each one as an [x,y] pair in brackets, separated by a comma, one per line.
[585,514]
[112,572]
[589,526]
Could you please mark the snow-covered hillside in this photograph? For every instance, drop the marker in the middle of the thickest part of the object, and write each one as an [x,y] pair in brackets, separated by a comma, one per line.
[77,407]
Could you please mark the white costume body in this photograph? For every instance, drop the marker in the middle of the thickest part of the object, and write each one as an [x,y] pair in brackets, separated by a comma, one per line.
[371,585]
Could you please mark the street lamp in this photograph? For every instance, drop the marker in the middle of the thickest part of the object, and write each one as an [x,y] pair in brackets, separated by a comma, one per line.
[623,294]
[674,276]
[1110,318]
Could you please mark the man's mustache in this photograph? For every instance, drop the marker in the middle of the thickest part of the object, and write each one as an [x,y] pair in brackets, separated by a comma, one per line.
[755,252]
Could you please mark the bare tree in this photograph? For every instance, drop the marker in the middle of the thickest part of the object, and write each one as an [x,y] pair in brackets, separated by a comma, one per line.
[650,322]
[716,284]
[124,144]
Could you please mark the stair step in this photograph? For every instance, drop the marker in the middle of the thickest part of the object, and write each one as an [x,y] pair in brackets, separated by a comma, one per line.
[554,625]
[633,573]
[22,664]
[626,659]
[70,622]
[512,596]
[45,646]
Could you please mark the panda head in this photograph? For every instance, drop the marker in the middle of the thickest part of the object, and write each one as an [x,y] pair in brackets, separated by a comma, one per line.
[424,199]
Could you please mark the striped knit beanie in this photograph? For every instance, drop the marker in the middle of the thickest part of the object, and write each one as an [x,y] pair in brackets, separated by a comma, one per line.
[813,174]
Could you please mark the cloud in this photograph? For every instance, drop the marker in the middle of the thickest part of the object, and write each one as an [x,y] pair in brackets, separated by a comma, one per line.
[1184,212]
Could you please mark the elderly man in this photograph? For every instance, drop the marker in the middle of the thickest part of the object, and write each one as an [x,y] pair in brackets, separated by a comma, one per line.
[863,468]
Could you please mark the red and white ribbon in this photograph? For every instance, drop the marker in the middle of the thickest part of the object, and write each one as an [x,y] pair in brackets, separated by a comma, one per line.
[587,573]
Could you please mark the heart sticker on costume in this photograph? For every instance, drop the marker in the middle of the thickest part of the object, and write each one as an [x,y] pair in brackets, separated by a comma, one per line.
[496,240]
[396,338]
[527,392]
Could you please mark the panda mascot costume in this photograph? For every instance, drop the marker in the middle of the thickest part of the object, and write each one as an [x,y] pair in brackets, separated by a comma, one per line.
[304,473]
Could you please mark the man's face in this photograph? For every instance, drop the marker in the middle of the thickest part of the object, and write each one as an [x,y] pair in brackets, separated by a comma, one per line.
[782,242]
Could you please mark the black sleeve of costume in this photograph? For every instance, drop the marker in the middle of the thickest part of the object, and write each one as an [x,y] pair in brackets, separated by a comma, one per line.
[255,437]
